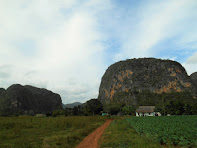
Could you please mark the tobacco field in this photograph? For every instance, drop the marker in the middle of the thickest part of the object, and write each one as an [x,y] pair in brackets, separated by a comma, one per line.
[170,130]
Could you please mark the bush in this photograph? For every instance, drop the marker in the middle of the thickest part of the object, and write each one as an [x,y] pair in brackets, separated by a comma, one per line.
[58,113]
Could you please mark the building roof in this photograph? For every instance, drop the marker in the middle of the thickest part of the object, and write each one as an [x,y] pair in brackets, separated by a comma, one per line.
[145,109]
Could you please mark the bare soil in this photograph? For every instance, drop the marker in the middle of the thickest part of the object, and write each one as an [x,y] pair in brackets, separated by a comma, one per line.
[91,141]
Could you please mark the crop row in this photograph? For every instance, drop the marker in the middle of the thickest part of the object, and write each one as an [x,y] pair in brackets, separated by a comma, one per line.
[174,130]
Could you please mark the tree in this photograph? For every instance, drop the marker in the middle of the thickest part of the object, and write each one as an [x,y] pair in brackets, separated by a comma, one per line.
[75,111]
[128,110]
[194,109]
[175,108]
[56,113]
[113,107]
[93,106]
[188,109]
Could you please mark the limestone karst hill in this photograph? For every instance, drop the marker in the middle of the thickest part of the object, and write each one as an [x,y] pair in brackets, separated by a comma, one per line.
[18,99]
[193,76]
[124,79]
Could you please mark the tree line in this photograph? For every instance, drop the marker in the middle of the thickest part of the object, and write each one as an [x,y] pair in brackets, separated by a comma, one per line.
[174,103]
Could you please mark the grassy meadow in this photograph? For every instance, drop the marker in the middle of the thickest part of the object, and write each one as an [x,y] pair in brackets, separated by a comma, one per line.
[67,132]
[151,132]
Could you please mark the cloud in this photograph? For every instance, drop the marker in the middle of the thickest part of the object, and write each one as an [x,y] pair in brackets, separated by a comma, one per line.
[190,68]
[66,46]
[191,64]
[4,75]
[151,28]
[74,52]
[192,59]
[51,43]
[161,29]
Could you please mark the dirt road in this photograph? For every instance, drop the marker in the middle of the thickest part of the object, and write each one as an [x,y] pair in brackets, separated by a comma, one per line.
[91,141]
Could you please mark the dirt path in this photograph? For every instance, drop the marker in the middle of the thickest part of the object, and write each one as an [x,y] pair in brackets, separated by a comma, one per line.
[91,141]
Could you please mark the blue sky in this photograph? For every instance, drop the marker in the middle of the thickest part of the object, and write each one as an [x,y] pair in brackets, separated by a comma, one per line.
[66,45]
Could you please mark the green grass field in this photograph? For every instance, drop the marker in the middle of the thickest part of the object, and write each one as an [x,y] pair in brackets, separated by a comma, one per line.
[36,132]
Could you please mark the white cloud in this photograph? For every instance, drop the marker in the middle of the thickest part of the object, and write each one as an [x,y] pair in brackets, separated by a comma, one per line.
[69,40]
[156,21]
[190,68]
[192,59]
[74,52]
[68,45]
[191,64]
[144,29]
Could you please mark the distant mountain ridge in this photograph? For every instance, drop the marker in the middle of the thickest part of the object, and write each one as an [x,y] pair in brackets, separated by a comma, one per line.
[71,105]
[18,99]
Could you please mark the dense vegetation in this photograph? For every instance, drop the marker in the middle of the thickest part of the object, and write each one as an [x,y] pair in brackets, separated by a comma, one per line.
[120,134]
[172,130]
[45,132]
[174,103]
[90,108]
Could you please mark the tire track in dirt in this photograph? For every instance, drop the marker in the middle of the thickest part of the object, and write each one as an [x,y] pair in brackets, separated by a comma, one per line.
[91,141]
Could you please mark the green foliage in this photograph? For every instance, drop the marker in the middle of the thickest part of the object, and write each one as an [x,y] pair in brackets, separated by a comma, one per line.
[68,111]
[183,101]
[77,110]
[113,108]
[173,130]
[128,110]
[174,103]
[120,134]
[148,98]
[58,113]
[93,107]
[177,108]
[194,109]
[28,131]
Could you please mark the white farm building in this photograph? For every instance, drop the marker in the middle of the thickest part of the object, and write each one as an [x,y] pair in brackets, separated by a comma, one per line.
[146,111]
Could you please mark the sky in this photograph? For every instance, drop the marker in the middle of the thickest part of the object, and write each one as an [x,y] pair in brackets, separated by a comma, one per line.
[67,45]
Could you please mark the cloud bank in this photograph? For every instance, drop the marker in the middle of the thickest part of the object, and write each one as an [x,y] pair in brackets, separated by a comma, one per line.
[66,46]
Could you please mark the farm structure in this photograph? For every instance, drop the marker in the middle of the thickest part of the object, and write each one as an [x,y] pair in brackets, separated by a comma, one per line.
[146,111]
[104,114]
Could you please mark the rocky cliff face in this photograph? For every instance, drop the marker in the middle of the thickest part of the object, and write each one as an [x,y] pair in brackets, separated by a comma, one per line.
[137,75]
[18,99]
[194,78]
[1,90]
